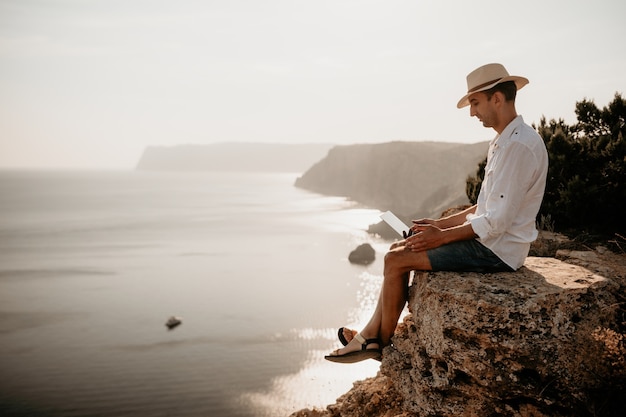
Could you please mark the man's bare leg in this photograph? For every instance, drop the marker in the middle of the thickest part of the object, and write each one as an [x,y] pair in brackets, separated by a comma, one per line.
[373,326]
[399,262]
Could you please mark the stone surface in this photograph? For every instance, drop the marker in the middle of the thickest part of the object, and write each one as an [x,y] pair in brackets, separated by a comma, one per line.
[546,340]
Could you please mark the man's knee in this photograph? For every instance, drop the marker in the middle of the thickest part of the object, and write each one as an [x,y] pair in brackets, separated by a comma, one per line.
[393,255]
[402,261]
[394,261]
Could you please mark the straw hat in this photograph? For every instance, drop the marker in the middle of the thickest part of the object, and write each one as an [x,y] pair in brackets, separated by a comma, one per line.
[486,77]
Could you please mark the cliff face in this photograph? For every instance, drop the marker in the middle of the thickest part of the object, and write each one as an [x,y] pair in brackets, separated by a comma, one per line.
[409,178]
[537,342]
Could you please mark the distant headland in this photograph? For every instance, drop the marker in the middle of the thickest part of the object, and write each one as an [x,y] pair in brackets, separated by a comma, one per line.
[410,178]
[246,157]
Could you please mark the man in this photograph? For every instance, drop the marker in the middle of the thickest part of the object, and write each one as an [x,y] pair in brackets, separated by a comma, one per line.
[492,236]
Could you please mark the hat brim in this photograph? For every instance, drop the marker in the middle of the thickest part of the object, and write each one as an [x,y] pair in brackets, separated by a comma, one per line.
[519,83]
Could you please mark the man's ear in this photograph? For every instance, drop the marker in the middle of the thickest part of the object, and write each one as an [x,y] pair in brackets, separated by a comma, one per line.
[498,97]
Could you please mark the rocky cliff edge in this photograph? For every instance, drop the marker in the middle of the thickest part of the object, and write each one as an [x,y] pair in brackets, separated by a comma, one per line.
[546,340]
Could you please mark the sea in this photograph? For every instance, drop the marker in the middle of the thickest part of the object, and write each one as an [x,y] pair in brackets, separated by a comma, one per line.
[93,263]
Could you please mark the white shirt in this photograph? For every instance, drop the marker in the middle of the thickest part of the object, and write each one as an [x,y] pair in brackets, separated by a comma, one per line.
[511,193]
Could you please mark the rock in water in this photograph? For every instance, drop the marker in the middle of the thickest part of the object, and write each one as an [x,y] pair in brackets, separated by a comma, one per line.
[364,254]
[173,322]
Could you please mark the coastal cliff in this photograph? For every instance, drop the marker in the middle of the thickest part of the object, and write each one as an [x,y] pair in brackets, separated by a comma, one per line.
[412,179]
[546,340]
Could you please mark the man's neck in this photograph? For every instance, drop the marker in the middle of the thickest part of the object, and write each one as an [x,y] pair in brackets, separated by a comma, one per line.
[507,117]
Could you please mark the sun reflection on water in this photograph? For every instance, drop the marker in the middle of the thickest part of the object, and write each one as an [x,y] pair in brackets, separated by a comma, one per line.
[336,213]
[319,383]
[356,218]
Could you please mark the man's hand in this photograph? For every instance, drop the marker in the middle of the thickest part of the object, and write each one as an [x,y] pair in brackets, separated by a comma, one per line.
[430,234]
[425,236]
[414,228]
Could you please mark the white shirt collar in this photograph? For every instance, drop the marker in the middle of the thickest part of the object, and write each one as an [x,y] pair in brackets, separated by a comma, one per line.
[515,123]
[508,130]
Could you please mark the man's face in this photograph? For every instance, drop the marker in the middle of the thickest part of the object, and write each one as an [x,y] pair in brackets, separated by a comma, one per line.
[483,109]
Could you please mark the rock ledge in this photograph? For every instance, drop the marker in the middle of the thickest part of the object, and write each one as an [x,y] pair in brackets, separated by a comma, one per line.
[543,341]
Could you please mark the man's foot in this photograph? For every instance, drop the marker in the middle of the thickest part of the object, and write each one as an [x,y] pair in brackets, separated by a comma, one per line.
[358,349]
[346,335]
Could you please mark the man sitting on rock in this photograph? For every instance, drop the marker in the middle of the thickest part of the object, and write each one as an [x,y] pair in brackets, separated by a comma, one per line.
[492,236]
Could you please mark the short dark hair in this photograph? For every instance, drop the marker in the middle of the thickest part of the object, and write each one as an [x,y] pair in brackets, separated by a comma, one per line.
[507,88]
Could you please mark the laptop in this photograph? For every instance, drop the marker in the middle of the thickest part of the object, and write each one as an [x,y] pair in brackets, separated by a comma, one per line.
[395,223]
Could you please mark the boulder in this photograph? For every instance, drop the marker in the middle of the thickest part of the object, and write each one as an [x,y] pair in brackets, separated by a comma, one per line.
[364,254]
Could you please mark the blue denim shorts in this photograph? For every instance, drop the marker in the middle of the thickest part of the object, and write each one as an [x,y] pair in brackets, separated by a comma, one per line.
[466,255]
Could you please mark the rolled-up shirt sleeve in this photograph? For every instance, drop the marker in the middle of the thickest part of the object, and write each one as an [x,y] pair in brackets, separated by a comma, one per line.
[480,225]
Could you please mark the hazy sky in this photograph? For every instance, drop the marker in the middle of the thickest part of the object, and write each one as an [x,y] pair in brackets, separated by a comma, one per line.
[91,83]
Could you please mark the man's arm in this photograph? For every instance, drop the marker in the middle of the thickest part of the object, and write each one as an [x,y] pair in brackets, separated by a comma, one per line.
[452,220]
[456,219]
[430,235]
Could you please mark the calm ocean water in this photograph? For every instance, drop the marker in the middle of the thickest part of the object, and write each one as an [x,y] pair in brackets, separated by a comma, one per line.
[93,263]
